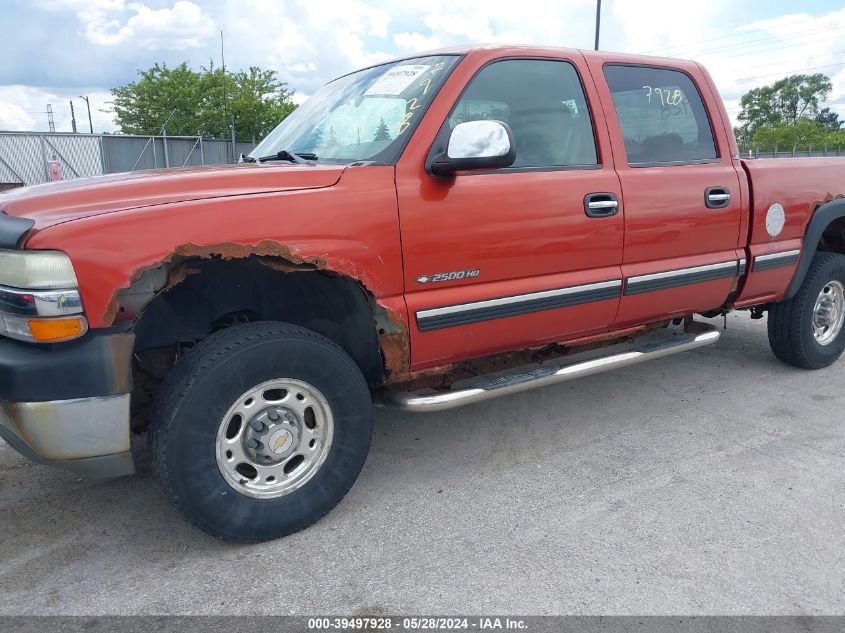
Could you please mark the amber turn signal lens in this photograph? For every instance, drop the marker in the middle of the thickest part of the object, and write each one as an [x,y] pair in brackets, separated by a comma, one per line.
[57,329]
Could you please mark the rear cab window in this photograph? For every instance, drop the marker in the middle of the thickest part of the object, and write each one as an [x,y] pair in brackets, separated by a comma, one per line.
[662,116]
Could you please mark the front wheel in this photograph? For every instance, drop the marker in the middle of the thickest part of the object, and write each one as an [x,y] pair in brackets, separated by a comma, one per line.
[806,331]
[261,430]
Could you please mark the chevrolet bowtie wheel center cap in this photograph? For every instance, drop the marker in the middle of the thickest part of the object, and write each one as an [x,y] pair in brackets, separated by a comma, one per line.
[272,435]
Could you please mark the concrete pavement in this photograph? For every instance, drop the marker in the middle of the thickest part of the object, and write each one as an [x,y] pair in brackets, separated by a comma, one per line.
[712,482]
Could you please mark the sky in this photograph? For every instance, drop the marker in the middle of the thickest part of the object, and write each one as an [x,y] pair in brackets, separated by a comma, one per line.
[57,50]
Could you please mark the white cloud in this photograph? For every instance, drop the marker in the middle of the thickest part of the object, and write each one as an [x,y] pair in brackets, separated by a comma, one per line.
[13,116]
[415,42]
[25,108]
[117,22]
[310,42]
[307,42]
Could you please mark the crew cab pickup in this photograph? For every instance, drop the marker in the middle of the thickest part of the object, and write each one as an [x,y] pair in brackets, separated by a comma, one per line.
[422,234]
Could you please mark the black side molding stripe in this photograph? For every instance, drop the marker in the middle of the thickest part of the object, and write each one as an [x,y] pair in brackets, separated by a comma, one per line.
[775,260]
[489,309]
[680,277]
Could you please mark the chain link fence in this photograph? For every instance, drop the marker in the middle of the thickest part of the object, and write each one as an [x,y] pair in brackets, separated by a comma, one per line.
[29,158]
[814,151]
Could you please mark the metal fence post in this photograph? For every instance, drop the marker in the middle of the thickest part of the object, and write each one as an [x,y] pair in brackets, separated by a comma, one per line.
[825,150]
[794,147]
[757,151]
[234,146]
[155,158]
[809,150]
[776,151]
[202,153]
[164,146]
[44,158]
[103,154]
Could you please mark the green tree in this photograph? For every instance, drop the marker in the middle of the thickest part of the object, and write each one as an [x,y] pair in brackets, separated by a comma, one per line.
[142,106]
[260,101]
[203,102]
[828,119]
[784,102]
[382,131]
[801,135]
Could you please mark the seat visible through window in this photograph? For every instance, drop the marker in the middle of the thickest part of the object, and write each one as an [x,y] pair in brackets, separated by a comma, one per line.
[543,102]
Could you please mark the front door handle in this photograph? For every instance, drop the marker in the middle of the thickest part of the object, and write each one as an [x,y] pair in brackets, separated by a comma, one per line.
[717,197]
[601,205]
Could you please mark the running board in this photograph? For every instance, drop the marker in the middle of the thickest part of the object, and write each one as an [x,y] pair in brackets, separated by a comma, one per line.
[649,347]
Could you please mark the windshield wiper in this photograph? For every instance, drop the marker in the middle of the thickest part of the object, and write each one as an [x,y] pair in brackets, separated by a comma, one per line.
[293,157]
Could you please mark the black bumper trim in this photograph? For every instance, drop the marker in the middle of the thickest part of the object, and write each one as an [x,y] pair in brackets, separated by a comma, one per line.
[99,364]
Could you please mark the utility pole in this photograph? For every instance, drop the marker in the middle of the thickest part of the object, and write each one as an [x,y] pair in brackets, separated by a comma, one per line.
[50,122]
[88,103]
[229,119]
[72,117]
[598,22]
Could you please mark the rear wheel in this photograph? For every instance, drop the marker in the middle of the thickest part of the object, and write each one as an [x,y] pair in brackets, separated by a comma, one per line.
[807,330]
[261,430]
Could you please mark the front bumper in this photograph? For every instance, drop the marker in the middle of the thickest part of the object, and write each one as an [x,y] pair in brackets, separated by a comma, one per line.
[68,405]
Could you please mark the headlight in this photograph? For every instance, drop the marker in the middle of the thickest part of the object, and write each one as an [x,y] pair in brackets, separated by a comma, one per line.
[39,300]
[36,270]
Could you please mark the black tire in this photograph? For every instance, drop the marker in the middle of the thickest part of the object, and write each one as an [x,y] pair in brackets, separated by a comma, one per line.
[791,322]
[198,392]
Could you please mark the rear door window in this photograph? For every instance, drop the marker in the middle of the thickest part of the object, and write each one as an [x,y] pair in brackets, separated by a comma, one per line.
[661,114]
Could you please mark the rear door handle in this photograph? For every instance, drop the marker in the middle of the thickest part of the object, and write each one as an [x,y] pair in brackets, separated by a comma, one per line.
[717,197]
[601,205]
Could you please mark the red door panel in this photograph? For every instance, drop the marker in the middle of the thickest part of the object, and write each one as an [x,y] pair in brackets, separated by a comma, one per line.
[524,233]
[668,228]
[670,148]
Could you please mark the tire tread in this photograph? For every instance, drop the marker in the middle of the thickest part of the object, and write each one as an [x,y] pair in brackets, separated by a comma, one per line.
[212,350]
[787,326]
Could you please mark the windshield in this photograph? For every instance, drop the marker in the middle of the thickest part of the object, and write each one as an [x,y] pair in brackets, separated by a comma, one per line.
[365,116]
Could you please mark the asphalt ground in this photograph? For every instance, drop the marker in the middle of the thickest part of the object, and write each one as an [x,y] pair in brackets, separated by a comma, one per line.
[711,482]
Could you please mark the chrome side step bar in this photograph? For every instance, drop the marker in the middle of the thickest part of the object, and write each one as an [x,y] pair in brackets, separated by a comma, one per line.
[522,379]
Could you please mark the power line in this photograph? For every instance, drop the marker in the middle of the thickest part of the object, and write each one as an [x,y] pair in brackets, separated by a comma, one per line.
[734,36]
[777,47]
[741,34]
[791,72]
[781,63]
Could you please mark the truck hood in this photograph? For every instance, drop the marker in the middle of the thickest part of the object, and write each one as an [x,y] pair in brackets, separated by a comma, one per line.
[54,203]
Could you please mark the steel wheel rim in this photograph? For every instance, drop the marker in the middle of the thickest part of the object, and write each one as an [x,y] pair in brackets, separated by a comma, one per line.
[829,313]
[274,438]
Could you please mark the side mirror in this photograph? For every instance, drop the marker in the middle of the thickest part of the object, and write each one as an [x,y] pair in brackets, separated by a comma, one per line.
[484,144]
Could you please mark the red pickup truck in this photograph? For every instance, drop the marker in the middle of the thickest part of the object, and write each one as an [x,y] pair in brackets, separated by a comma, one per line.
[423,234]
